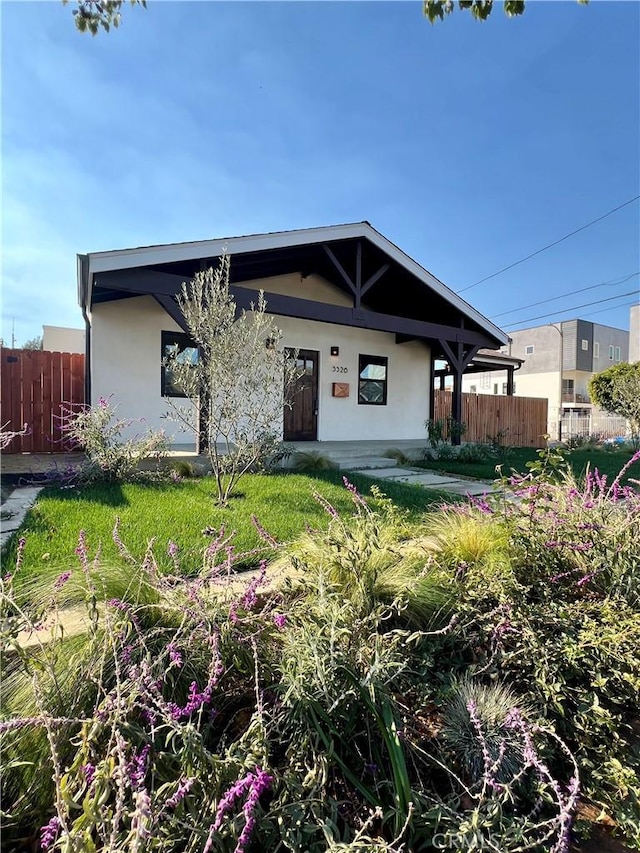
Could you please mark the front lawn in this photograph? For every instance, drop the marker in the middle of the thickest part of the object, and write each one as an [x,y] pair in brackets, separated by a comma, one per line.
[179,512]
[607,462]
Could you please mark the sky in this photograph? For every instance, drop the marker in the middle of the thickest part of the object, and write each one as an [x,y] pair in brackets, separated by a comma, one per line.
[470,145]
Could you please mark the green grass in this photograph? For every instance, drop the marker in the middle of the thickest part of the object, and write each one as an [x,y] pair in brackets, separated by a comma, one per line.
[283,503]
[607,462]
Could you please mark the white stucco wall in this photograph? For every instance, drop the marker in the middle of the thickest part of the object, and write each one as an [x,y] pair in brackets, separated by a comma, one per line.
[341,419]
[126,355]
[312,287]
[126,361]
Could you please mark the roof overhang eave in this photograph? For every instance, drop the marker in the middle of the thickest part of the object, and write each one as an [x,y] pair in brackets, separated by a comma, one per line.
[120,259]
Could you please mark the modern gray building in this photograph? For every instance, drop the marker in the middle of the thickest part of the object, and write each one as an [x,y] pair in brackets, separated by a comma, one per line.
[559,359]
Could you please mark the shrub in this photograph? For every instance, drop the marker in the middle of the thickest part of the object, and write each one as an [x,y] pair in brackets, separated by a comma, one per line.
[399,455]
[308,461]
[472,453]
[343,707]
[443,430]
[98,432]
[492,705]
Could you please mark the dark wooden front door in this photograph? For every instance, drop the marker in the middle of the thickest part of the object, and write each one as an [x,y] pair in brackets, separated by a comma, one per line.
[301,411]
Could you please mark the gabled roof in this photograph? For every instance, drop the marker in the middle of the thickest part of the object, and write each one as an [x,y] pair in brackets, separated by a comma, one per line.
[271,242]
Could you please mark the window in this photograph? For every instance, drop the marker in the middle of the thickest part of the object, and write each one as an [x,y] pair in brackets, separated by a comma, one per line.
[495,387]
[585,345]
[473,389]
[618,354]
[528,350]
[372,380]
[611,350]
[596,350]
[187,353]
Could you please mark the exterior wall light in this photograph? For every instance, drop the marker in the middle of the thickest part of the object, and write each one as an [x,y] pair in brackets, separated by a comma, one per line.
[335,350]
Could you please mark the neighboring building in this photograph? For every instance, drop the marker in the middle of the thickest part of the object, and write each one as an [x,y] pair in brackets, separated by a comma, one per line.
[559,359]
[634,334]
[63,339]
[368,321]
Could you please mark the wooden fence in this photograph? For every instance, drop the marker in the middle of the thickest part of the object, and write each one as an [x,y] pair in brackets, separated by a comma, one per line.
[34,384]
[517,421]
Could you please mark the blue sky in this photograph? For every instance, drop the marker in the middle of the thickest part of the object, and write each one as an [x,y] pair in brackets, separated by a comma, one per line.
[469,145]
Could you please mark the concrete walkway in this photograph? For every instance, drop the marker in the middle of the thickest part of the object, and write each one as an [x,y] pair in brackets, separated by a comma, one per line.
[429,480]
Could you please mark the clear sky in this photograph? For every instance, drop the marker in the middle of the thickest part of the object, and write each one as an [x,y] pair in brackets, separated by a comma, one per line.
[468,144]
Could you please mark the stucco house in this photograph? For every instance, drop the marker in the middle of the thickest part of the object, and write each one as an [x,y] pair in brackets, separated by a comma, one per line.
[368,321]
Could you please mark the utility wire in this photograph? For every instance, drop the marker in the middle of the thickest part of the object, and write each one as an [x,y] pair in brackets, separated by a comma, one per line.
[575,308]
[612,283]
[612,308]
[550,245]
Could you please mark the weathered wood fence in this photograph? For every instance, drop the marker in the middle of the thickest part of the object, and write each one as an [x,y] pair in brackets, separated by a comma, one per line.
[517,421]
[34,385]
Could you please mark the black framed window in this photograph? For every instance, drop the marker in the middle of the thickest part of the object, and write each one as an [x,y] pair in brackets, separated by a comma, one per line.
[186,351]
[372,380]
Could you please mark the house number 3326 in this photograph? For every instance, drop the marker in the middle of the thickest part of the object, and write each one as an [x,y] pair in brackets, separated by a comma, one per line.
[337,369]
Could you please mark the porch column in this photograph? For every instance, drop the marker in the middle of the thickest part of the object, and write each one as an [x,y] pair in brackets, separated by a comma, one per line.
[432,385]
[459,359]
[510,381]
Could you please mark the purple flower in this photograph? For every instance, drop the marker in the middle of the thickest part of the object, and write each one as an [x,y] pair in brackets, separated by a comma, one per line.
[81,551]
[49,833]
[125,608]
[61,580]
[175,656]
[324,503]
[249,598]
[137,767]
[264,534]
[254,785]
[172,549]
[89,772]
[122,548]
[355,495]
[280,620]
[20,552]
[103,403]
[184,786]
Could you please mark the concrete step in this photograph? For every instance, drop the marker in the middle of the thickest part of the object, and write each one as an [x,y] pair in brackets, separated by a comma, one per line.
[363,462]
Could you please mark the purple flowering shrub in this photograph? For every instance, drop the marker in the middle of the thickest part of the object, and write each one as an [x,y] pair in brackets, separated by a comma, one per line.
[308,705]
[580,535]
[565,629]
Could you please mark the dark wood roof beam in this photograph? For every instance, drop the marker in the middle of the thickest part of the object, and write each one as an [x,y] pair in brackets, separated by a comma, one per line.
[375,277]
[144,282]
[340,269]
[173,309]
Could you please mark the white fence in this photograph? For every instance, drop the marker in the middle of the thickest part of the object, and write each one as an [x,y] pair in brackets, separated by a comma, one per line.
[598,425]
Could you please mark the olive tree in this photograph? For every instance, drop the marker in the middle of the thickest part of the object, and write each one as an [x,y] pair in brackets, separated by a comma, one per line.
[236,383]
[617,390]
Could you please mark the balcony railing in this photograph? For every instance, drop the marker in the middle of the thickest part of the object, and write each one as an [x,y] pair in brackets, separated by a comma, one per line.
[575,398]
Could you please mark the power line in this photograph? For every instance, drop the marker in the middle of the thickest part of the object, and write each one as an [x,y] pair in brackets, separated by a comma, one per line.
[550,245]
[612,308]
[575,307]
[613,283]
